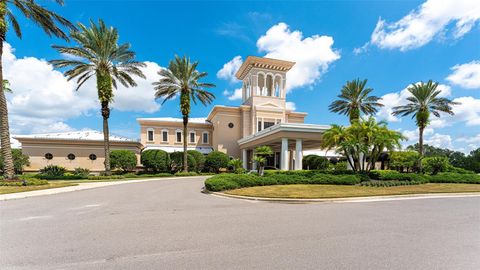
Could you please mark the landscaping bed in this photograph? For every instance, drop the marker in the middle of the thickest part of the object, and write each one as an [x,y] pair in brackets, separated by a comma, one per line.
[343,191]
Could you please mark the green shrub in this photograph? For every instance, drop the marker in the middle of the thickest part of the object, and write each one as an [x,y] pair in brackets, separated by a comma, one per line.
[240,170]
[19,161]
[453,169]
[315,162]
[215,161]
[390,183]
[83,172]
[340,166]
[155,160]
[53,171]
[176,162]
[403,160]
[454,178]
[124,160]
[434,165]
[105,177]
[60,177]
[27,182]
[387,175]
[235,164]
[199,159]
[186,174]
[231,181]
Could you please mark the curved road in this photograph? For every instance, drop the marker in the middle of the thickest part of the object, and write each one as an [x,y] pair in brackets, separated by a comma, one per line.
[170,224]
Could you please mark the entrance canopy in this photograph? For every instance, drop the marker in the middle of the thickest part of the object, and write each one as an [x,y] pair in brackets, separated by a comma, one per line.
[287,138]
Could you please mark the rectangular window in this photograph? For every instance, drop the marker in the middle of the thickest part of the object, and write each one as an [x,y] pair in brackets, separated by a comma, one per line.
[165,136]
[268,124]
[259,126]
[192,137]
[205,138]
[150,135]
[179,136]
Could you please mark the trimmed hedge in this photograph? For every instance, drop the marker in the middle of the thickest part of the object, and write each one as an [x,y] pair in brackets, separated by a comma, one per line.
[454,178]
[176,164]
[388,175]
[186,174]
[156,160]
[215,161]
[28,182]
[232,181]
[315,162]
[392,183]
[124,160]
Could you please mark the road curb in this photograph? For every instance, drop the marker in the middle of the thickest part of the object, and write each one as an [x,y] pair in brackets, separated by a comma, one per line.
[83,186]
[350,199]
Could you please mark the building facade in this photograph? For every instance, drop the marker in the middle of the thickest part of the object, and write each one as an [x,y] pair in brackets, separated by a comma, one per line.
[261,119]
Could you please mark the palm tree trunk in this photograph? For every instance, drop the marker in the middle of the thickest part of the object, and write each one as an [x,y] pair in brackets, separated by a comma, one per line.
[185,137]
[106,136]
[8,169]
[420,147]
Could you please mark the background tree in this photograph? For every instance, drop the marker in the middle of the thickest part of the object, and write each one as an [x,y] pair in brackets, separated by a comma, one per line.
[99,55]
[355,99]
[49,21]
[424,101]
[182,78]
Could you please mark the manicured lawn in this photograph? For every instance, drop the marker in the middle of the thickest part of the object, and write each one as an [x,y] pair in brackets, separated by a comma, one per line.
[339,191]
[53,184]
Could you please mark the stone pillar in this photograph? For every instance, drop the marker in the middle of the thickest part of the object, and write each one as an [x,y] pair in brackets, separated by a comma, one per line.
[284,158]
[298,154]
[244,158]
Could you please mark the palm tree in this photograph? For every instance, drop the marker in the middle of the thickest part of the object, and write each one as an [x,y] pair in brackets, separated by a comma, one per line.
[45,19]
[261,154]
[99,54]
[423,102]
[355,99]
[182,78]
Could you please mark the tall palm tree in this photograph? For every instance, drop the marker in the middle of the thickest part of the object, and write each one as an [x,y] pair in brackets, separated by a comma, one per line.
[98,54]
[355,99]
[49,21]
[182,78]
[424,101]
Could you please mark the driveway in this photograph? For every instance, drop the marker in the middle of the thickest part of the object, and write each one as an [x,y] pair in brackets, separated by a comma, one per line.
[170,224]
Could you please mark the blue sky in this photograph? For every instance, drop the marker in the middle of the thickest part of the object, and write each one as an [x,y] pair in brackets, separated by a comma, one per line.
[390,43]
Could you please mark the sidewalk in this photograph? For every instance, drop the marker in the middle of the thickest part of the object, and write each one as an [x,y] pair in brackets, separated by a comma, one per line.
[81,186]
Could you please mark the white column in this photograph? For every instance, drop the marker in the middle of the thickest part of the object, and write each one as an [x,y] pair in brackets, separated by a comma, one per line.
[254,164]
[244,158]
[298,154]
[284,155]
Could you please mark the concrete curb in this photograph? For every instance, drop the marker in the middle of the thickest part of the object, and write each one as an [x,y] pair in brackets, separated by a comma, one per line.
[350,199]
[83,186]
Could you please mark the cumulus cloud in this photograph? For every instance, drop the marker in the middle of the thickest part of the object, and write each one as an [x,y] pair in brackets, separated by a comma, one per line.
[229,69]
[430,137]
[466,75]
[43,100]
[312,55]
[394,99]
[233,95]
[290,105]
[433,19]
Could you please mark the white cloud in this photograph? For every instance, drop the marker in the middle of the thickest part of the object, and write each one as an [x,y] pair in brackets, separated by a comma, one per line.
[466,75]
[430,137]
[290,105]
[434,18]
[43,99]
[468,111]
[439,140]
[394,99]
[233,95]
[312,55]
[230,68]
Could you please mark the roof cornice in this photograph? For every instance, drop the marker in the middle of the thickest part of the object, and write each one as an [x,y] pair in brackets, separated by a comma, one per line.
[262,62]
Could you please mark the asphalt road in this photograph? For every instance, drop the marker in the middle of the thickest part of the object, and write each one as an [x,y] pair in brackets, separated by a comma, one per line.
[170,224]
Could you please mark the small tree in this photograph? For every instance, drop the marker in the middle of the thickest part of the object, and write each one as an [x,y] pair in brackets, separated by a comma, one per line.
[216,160]
[123,159]
[199,159]
[403,161]
[434,165]
[176,162]
[235,164]
[155,160]
[19,161]
[261,154]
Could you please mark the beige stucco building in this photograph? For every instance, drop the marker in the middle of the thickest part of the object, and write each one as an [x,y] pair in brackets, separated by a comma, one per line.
[261,119]
[79,149]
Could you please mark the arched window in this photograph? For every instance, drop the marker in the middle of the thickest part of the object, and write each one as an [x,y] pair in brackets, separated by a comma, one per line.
[48,156]
[71,156]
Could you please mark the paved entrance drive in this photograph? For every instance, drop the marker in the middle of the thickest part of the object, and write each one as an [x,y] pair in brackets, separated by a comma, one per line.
[171,225]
